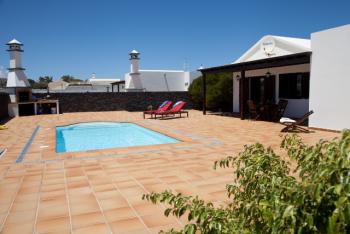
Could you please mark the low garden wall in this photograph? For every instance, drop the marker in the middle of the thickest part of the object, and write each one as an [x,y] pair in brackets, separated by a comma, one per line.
[132,101]
[4,100]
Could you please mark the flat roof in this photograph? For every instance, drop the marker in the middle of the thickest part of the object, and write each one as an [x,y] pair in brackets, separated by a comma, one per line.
[118,82]
[161,70]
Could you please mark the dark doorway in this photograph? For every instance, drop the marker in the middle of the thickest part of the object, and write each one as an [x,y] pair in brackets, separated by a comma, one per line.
[26,109]
[260,89]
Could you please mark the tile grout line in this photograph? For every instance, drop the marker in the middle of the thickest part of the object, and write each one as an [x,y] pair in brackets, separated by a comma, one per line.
[177,220]
[67,197]
[13,201]
[38,206]
[98,203]
[132,208]
[186,180]
[5,173]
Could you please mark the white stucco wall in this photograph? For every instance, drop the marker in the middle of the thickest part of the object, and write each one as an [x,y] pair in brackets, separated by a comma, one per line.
[330,79]
[296,107]
[164,80]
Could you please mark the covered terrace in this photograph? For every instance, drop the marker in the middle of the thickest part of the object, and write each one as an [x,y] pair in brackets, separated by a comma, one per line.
[240,69]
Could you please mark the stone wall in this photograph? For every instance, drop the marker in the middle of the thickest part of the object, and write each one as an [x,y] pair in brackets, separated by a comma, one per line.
[4,100]
[133,101]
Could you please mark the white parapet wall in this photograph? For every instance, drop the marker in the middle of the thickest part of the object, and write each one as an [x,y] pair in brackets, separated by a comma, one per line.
[330,79]
[164,80]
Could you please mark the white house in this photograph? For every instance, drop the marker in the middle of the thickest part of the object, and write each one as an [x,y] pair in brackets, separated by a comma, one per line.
[101,81]
[156,80]
[93,84]
[312,74]
[58,85]
[106,83]
[292,75]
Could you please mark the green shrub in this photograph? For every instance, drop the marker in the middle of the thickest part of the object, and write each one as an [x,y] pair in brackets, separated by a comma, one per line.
[219,92]
[266,199]
[195,92]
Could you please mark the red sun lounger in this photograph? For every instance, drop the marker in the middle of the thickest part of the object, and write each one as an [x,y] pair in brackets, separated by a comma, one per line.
[176,109]
[163,107]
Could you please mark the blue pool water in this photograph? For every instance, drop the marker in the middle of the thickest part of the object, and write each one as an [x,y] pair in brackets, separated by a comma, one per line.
[103,135]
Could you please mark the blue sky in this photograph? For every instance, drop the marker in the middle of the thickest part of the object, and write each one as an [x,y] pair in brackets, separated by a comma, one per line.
[79,37]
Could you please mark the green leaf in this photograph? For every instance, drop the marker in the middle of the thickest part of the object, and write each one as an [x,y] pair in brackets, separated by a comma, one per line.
[338,188]
[167,212]
[288,212]
[190,229]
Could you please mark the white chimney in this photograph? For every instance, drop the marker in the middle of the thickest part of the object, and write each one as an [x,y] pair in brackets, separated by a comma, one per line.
[17,85]
[135,81]
[16,77]
[134,58]
[93,76]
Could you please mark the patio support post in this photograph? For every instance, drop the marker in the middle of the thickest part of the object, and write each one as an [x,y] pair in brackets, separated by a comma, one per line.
[204,93]
[241,94]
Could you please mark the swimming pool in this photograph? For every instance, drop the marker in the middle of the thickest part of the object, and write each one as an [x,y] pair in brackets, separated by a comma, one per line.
[104,135]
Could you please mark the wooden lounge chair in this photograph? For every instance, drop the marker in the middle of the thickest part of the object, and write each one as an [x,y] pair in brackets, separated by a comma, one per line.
[254,113]
[176,109]
[294,125]
[163,107]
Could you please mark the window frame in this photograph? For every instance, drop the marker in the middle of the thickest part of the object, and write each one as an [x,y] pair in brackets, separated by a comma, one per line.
[294,85]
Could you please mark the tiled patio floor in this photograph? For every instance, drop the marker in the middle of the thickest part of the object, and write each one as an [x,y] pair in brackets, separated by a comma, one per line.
[100,191]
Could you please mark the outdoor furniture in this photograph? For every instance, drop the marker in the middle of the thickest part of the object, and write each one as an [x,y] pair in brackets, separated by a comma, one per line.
[163,107]
[293,125]
[176,109]
[254,111]
[266,111]
[2,152]
[279,110]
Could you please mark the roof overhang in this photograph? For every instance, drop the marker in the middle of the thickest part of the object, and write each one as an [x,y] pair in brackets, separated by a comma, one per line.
[280,61]
[118,82]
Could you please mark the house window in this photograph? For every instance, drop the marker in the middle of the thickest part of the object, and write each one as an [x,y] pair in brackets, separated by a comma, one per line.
[294,85]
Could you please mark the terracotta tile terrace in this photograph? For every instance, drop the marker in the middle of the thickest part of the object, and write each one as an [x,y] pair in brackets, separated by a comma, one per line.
[100,191]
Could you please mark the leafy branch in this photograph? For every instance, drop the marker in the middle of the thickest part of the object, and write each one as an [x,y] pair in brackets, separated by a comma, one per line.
[265,198]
